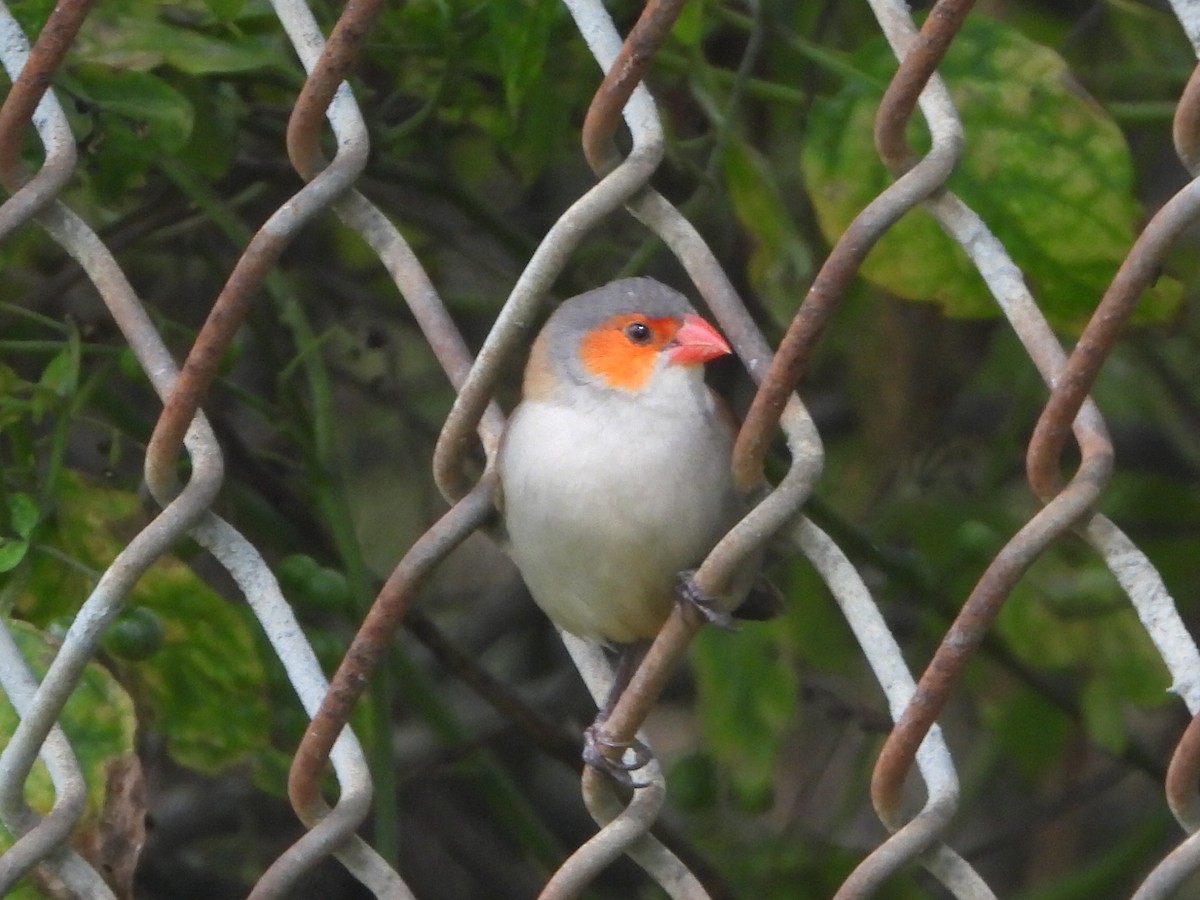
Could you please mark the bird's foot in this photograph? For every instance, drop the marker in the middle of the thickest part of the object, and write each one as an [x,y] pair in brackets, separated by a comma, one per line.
[594,745]
[689,592]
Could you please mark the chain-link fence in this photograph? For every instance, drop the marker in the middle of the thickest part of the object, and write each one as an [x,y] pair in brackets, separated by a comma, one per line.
[914,744]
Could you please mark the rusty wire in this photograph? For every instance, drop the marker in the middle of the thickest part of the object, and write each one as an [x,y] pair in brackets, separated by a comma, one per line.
[623,830]
[917,183]
[1186,126]
[621,76]
[372,641]
[30,196]
[325,78]
[1061,512]
[626,831]
[242,560]
[1128,564]
[31,69]
[919,60]
[1183,777]
[958,646]
[1139,269]
[269,242]
[630,835]
[1178,213]
[884,656]
[1183,795]
[31,83]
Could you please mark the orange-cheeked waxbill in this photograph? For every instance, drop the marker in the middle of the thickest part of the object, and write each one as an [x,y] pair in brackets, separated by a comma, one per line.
[615,466]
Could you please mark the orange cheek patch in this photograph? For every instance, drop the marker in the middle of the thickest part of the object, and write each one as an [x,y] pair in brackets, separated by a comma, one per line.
[608,352]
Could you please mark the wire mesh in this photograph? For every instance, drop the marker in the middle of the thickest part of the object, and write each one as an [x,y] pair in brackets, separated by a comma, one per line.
[915,703]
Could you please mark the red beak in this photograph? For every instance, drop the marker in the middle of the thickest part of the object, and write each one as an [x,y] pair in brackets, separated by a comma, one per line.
[696,342]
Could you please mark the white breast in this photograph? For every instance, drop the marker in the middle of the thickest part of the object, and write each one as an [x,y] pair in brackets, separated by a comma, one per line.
[605,503]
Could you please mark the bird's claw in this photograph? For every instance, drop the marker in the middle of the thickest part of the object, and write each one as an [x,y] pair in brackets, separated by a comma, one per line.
[690,593]
[594,744]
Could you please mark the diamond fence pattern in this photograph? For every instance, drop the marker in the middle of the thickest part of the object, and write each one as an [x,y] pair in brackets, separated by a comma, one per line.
[915,742]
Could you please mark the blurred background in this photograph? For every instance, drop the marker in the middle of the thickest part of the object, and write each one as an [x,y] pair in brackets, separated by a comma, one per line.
[328,406]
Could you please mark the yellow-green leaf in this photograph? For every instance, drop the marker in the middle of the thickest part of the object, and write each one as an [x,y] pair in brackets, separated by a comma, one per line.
[779,254]
[1043,164]
[204,687]
[98,720]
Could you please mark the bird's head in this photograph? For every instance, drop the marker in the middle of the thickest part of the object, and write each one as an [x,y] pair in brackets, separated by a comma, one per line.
[621,338]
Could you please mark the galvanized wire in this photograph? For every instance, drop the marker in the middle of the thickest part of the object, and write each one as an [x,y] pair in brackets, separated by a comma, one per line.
[1131,568]
[186,509]
[622,182]
[362,658]
[38,839]
[605,807]
[269,242]
[1157,613]
[884,656]
[28,196]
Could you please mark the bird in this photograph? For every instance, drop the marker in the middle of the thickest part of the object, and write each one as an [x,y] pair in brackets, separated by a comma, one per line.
[615,466]
[614,469]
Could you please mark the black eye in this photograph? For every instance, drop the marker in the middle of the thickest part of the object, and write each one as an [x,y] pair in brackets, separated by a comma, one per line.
[638,332]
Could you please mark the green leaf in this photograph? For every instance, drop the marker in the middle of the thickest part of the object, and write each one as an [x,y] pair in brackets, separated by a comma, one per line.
[217,114]
[130,120]
[11,553]
[1029,728]
[61,375]
[98,720]
[31,15]
[1044,166]
[84,529]
[205,685]
[748,698]
[22,514]
[140,42]
[203,688]
[689,27]
[140,104]
[779,255]
[521,33]
[225,10]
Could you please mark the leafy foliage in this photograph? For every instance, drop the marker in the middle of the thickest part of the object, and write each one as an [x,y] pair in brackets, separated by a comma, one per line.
[203,685]
[1043,165]
[328,405]
[98,720]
